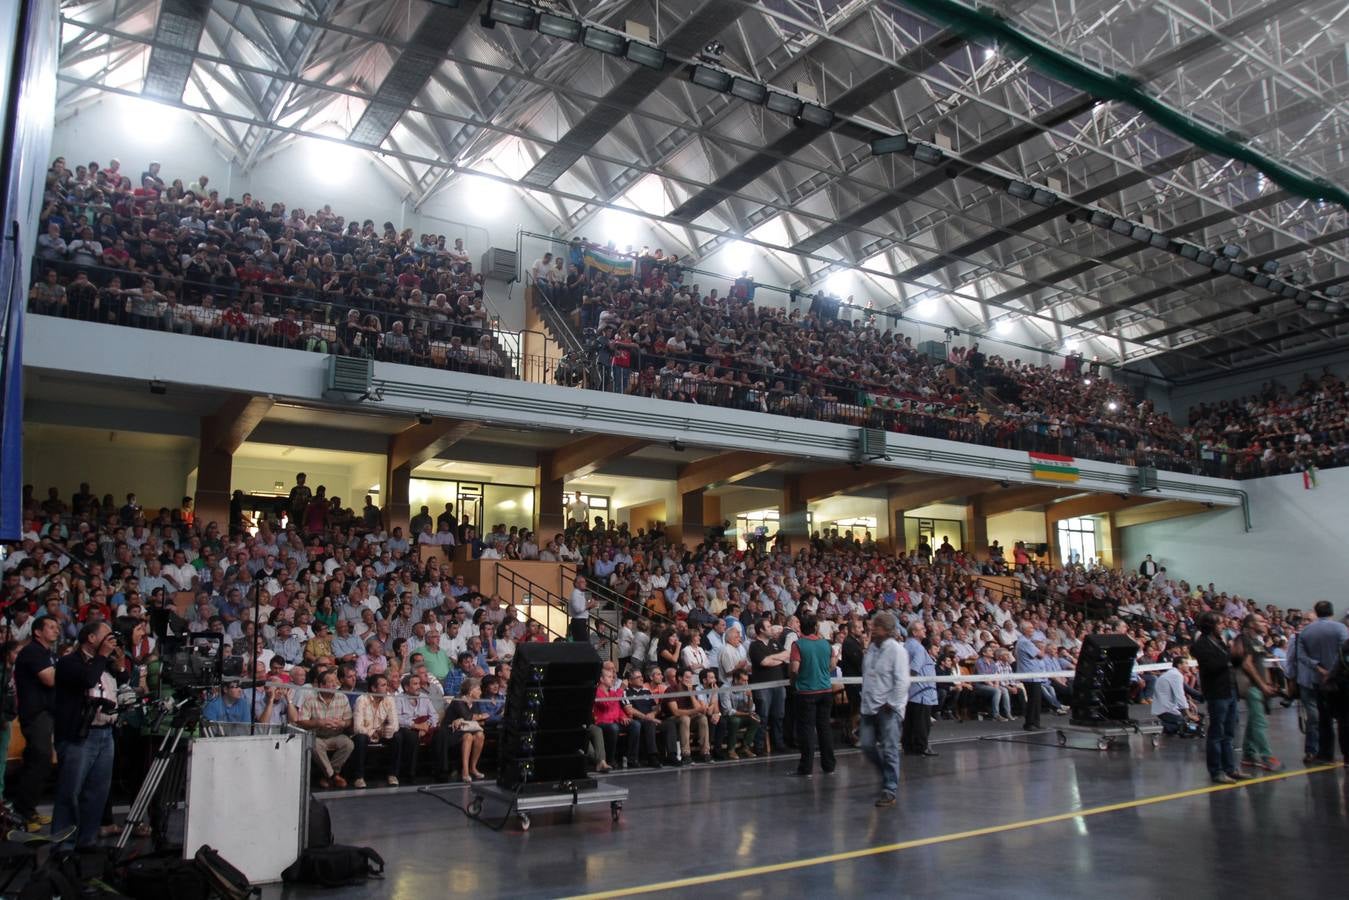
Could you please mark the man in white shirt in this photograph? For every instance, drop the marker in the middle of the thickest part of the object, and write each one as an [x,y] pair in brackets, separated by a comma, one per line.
[1169,703]
[579,606]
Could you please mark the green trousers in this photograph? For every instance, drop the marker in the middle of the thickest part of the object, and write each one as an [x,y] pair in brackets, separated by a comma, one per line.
[1256,744]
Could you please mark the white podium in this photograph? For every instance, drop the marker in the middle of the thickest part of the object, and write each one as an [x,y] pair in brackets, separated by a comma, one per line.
[248,797]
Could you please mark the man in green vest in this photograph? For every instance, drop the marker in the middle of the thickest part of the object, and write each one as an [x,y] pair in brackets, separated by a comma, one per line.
[812,666]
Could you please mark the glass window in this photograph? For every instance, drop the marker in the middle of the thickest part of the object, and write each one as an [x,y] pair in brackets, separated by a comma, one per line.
[509,505]
[1077,541]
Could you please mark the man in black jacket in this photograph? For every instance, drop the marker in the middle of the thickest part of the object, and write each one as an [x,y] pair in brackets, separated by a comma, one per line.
[1219,684]
[83,712]
[34,682]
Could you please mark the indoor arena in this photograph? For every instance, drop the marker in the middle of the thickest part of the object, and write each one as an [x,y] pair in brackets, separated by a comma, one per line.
[716,448]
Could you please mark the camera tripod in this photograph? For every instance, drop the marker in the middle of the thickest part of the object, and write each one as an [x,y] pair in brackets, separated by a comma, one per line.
[168,766]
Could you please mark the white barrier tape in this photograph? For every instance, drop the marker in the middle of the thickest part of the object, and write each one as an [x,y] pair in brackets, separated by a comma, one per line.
[916,679]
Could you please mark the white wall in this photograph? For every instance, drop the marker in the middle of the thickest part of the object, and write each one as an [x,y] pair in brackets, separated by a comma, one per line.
[1018,525]
[155,467]
[1293,555]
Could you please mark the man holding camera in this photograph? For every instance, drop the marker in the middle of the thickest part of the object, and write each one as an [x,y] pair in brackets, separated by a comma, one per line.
[84,708]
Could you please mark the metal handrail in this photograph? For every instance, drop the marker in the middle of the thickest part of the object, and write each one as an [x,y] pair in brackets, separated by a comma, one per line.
[617,600]
[556,601]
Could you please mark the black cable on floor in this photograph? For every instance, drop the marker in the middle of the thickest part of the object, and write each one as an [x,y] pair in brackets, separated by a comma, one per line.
[510,809]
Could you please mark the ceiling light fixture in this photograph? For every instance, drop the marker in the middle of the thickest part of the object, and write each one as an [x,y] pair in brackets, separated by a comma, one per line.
[647,55]
[817,116]
[507,13]
[713,79]
[749,90]
[926,153]
[603,40]
[895,143]
[786,104]
[564,27]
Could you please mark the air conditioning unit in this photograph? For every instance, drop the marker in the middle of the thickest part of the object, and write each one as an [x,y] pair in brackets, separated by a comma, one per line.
[871,445]
[1147,479]
[499,264]
[349,375]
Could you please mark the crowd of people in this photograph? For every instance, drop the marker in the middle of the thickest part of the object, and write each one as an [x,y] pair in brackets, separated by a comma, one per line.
[170,256]
[1277,430]
[175,256]
[656,333]
[399,667]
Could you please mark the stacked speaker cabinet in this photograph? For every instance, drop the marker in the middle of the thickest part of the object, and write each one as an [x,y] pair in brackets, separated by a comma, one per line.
[1105,667]
[545,729]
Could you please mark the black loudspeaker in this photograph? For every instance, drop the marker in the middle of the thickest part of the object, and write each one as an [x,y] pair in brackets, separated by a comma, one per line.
[545,728]
[1105,667]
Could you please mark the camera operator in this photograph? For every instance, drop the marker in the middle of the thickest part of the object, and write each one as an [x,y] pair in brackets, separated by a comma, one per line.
[84,708]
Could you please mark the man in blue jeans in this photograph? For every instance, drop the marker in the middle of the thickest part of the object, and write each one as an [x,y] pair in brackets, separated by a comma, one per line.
[84,710]
[1219,684]
[885,693]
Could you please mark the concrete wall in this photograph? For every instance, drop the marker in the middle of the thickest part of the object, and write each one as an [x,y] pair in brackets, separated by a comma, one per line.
[1018,525]
[1292,556]
[156,467]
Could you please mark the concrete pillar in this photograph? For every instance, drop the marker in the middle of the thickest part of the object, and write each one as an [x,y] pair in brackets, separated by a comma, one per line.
[215,467]
[894,517]
[397,498]
[690,527]
[976,528]
[792,524]
[550,503]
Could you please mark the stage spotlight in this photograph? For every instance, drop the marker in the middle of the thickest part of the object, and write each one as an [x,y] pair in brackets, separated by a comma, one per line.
[1122,226]
[1141,234]
[1303,296]
[751,91]
[784,103]
[895,143]
[1160,241]
[1335,290]
[1289,291]
[1205,258]
[646,55]
[1260,281]
[814,115]
[1101,219]
[1270,266]
[1315,304]
[1020,190]
[508,13]
[1043,197]
[926,153]
[1231,251]
[1189,251]
[713,79]
[564,27]
[603,40]
[1223,264]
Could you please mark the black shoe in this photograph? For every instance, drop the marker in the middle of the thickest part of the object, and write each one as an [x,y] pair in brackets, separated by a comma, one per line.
[1031,728]
[929,753]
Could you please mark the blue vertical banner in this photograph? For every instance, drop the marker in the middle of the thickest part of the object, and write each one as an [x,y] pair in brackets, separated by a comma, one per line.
[30,35]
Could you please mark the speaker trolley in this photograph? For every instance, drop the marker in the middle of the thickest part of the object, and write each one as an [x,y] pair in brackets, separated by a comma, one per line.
[491,801]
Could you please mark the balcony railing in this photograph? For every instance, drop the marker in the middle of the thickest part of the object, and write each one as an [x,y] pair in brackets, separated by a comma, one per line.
[446,340]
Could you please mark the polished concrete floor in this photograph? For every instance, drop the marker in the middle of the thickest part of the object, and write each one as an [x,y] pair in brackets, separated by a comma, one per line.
[1283,837]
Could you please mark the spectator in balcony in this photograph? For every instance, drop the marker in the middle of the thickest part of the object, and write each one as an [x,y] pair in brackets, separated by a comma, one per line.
[49,297]
[51,247]
[397,347]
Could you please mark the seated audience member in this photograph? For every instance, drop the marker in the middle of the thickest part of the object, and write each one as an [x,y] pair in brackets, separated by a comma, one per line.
[375,720]
[327,713]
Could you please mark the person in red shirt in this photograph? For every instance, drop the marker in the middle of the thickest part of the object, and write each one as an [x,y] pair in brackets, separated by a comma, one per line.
[609,719]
